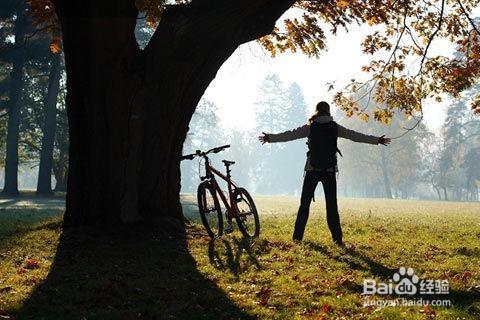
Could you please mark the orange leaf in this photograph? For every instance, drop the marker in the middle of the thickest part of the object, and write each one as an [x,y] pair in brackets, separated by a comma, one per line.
[55,45]
[327,308]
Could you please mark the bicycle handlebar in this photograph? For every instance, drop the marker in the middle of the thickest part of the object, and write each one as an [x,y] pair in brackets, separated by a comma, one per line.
[217,149]
[199,153]
[188,157]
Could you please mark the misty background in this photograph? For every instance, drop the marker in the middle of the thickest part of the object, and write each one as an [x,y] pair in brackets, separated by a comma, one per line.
[253,93]
[424,163]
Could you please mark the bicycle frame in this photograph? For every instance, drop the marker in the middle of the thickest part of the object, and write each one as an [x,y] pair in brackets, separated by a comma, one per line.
[211,172]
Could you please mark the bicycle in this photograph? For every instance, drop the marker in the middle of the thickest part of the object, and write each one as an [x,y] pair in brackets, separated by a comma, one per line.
[239,204]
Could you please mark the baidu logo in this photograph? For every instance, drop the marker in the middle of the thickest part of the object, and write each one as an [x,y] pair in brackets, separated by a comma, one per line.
[405,283]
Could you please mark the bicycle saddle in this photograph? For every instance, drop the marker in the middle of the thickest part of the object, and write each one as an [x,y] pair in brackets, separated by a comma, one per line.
[227,163]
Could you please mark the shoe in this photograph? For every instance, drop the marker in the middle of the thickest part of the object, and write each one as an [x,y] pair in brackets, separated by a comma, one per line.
[296,240]
[339,243]
[229,228]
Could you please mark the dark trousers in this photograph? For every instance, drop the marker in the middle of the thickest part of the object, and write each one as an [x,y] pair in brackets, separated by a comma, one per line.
[329,183]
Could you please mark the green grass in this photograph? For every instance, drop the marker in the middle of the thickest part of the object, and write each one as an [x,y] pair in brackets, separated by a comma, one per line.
[143,274]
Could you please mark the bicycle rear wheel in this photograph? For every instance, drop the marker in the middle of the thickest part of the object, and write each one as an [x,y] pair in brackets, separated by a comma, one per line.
[210,210]
[247,215]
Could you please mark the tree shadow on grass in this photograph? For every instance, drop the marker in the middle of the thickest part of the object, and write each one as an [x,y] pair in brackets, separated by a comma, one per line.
[356,260]
[16,223]
[233,255]
[127,274]
[229,253]
[468,252]
[360,261]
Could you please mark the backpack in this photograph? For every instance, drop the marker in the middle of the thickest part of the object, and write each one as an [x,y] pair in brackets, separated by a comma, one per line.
[322,145]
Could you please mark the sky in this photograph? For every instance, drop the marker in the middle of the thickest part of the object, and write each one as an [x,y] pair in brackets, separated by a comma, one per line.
[235,88]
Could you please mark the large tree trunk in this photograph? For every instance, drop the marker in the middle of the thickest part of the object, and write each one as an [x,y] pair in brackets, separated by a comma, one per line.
[16,86]
[44,185]
[129,108]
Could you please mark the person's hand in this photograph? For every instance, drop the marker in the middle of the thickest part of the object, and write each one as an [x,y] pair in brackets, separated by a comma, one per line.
[264,138]
[384,141]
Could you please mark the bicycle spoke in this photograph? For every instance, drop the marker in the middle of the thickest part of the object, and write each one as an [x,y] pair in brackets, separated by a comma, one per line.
[247,216]
[210,211]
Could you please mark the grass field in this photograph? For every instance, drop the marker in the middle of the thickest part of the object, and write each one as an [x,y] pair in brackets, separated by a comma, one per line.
[139,274]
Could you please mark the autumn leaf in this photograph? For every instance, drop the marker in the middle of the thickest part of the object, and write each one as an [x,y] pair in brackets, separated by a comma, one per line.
[364,117]
[151,22]
[55,48]
[327,308]
[428,311]
[342,4]
[32,264]
[263,295]
[372,21]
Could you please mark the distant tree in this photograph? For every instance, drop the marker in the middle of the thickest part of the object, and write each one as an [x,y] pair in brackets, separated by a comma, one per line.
[471,165]
[293,155]
[27,50]
[405,159]
[461,137]
[387,172]
[44,185]
[32,113]
[271,116]
[204,133]
[20,28]
[278,109]
[430,149]
[60,152]
[242,151]
[361,172]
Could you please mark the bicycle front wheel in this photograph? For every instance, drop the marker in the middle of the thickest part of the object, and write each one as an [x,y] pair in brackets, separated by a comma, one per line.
[246,213]
[210,210]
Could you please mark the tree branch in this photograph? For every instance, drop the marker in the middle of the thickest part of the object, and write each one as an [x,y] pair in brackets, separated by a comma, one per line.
[474,26]
[199,23]
[432,36]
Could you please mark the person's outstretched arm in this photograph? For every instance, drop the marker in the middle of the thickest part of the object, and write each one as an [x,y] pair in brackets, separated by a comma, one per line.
[360,137]
[298,133]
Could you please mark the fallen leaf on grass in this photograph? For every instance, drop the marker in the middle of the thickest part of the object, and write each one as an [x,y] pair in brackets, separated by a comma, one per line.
[32,264]
[428,311]
[317,292]
[31,281]
[327,308]
[263,295]
[21,270]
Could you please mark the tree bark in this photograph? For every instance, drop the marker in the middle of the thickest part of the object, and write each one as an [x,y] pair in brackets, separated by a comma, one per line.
[44,185]
[129,108]
[16,86]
